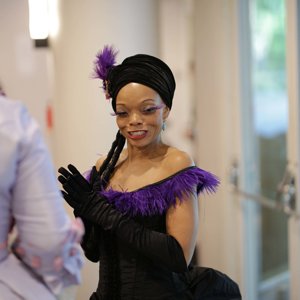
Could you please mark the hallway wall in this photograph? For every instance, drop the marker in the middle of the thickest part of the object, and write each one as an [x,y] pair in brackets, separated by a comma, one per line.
[23,68]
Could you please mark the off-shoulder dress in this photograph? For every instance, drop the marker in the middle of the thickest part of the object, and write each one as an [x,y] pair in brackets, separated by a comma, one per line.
[126,274]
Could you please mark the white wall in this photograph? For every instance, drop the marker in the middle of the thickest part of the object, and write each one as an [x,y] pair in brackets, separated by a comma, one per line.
[217,93]
[23,68]
[176,43]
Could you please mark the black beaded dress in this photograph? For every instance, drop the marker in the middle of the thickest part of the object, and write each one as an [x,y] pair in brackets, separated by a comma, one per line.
[126,274]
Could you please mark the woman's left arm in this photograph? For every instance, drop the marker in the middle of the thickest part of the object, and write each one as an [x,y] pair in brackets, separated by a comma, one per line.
[182,223]
[183,218]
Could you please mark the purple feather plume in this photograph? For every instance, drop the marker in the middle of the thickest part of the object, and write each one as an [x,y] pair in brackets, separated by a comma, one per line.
[158,197]
[105,60]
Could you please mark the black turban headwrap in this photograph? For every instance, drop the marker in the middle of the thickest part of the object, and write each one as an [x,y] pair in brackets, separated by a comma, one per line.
[144,69]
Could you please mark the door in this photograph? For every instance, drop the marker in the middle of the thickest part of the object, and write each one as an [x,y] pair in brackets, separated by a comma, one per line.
[269,165]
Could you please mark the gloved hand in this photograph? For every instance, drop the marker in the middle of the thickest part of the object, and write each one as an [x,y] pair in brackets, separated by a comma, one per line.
[89,240]
[75,185]
[162,248]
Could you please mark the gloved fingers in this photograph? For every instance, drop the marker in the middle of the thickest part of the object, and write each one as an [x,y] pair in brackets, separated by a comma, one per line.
[94,173]
[62,179]
[71,189]
[69,199]
[69,184]
[64,172]
[95,179]
[82,182]
[73,169]
[77,187]
[79,178]
[74,179]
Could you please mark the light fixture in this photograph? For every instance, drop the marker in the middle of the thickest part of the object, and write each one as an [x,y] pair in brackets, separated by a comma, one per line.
[39,22]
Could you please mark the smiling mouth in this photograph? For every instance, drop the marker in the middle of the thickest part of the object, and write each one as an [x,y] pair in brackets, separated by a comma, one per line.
[137,134]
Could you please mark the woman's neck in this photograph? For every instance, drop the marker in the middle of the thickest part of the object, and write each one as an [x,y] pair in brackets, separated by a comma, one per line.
[135,154]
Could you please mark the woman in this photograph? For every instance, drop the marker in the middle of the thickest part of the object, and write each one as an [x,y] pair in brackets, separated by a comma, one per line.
[139,204]
[45,256]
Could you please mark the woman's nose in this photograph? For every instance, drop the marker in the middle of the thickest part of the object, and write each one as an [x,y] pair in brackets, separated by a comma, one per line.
[135,118]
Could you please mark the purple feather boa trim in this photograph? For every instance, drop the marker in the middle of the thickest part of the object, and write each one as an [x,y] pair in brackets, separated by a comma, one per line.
[105,60]
[156,198]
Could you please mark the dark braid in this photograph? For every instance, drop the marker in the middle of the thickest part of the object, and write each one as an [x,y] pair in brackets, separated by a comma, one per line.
[109,155]
[112,158]
[109,242]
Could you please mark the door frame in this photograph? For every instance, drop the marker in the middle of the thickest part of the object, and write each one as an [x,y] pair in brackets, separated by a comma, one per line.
[293,69]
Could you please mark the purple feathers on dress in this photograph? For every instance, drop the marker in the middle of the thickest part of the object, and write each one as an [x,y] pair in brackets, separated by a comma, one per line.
[156,198]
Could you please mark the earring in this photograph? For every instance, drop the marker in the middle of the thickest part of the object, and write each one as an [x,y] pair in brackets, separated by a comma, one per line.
[163,127]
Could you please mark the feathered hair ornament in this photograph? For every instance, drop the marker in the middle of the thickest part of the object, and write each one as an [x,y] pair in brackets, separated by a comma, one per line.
[105,60]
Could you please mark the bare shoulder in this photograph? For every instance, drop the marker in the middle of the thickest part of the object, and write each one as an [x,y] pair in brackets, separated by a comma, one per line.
[177,160]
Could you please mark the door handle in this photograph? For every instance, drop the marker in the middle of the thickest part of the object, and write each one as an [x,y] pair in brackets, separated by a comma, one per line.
[285,200]
[286,191]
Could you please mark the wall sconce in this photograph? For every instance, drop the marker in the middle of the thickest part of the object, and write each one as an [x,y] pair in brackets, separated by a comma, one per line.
[39,22]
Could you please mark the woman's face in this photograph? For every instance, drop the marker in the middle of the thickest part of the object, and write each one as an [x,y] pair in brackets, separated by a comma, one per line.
[140,114]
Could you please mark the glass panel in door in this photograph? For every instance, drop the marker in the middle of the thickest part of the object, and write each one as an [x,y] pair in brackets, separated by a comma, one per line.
[268,132]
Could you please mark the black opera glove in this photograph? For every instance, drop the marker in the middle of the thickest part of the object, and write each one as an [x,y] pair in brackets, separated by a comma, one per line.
[75,186]
[159,247]
[73,197]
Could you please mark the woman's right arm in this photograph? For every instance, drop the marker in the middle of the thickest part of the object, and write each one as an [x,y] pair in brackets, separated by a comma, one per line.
[92,237]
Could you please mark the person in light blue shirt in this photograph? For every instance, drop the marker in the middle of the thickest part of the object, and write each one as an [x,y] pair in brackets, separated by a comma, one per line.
[44,255]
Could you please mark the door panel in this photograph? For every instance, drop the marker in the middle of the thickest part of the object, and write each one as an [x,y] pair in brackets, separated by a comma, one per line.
[265,130]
